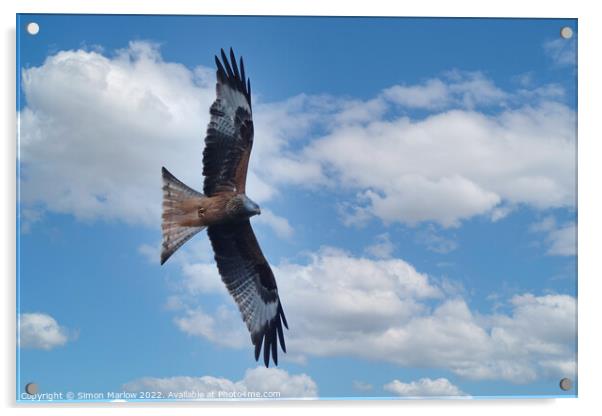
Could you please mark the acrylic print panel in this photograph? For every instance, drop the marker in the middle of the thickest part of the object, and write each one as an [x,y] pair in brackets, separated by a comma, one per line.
[416,185]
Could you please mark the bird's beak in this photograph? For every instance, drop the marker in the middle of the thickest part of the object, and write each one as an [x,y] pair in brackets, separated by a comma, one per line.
[258,211]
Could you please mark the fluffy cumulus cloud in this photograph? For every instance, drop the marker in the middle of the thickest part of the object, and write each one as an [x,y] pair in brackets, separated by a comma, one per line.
[456,89]
[558,239]
[278,224]
[96,128]
[257,383]
[221,327]
[424,387]
[455,164]
[386,310]
[41,331]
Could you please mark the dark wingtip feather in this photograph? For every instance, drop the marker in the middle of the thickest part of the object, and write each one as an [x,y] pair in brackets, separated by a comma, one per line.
[223,55]
[266,349]
[274,342]
[257,341]
[165,174]
[229,72]
[242,73]
[281,311]
[221,72]
[234,66]
[281,335]
[227,65]
[249,91]
[267,339]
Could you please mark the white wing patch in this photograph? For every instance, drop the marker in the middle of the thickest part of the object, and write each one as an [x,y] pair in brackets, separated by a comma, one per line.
[233,96]
[254,310]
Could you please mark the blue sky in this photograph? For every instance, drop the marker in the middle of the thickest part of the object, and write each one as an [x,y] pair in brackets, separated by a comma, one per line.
[417,178]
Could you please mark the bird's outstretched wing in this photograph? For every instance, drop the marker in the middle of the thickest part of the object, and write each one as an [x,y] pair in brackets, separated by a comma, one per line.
[230,132]
[250,281]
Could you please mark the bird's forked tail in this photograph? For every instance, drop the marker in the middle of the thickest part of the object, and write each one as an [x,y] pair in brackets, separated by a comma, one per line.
[179,221]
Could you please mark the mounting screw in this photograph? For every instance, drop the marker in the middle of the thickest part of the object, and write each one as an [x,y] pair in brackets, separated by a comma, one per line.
[566,32]
[566,384]
[33,28]
[31,388]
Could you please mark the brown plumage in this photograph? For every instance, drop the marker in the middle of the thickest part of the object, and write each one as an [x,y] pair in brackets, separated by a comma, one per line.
[224,209]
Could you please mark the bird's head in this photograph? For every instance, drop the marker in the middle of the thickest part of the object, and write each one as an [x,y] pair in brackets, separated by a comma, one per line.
[250,207]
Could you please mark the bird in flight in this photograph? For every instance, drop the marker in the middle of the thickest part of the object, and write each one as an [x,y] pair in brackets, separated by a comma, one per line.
[224,210]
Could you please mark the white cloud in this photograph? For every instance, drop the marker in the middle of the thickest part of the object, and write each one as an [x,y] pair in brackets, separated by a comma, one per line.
[433,93]
[356,111]
[455,164]
[96,131]
[278,224]
[353,215]
[382,248]
[198,272]
[271,379]
[560,240]
[448,200]
[28,217]
[563,52]
[500,212]
[385,310]
[563,241]
[339,300]
[201,278]
[424,387]
[546,224]
[41,331]
[562,368]
[457,89]
[538,324]
[221,327]
[265,381]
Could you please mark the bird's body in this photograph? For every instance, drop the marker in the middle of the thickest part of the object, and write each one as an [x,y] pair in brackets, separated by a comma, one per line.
[224,210]
[200,211]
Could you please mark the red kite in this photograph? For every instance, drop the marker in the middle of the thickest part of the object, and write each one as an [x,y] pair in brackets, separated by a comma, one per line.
[224,209]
